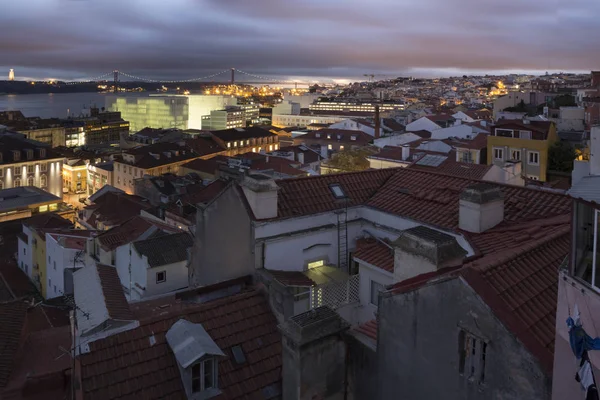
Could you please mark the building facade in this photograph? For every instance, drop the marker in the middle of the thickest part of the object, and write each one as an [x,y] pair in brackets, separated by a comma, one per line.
[98,176]
[230,117]
[25,162]
[151,111]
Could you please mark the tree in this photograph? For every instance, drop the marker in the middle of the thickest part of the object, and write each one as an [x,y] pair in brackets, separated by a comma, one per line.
[351,160]
[560,157]
[521,107]
[564,100]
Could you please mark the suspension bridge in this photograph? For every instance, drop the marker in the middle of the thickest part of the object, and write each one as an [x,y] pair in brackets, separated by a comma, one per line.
[248,79]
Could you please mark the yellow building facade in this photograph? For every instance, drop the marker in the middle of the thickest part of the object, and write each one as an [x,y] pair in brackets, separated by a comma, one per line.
[528,143]
[75,177]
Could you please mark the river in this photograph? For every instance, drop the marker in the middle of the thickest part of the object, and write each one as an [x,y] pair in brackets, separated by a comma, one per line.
[51,105]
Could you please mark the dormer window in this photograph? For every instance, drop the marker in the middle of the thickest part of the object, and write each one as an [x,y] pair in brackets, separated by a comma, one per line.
[353,137]
[16,155]
[203,376]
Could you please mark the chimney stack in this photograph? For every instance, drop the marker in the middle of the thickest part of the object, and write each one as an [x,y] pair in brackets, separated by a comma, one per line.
[405,152]
[261,193]
[481,207]
[314,355]
[421,249]
[377,123]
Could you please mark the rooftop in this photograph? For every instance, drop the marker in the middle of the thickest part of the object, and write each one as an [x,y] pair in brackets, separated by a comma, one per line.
[228,135]
[14,142]
[165,249]
[130,365]
[25,197]
[338,135]
[130,230]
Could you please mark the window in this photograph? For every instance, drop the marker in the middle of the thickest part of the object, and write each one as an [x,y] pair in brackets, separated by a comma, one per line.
[472,354]
[515,155]
[498,153]
[17,182]
[375,289]
[328,136]
[30,181]
[341,147]
[54,288]
[1,172]
[505,132]
[43,181]
[119,180]
[337,191]
[49,282]
[315,264]
[49,260]
[203,376]
[525,134]
[329,147]
[466,157]
[228,145]
[130,170]
[30,169]
[1,185]
[534,158]
[317,135]
[161,276]
[54,262]
[24,251]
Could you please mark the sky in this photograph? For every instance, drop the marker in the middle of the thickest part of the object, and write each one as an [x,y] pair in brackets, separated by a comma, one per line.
[296,39]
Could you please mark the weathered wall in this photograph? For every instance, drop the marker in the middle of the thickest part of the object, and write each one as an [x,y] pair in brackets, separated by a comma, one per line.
[224,242]
[418,353]
[362,370]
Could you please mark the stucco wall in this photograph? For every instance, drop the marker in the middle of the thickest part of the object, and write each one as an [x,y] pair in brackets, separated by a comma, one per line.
[224,242]
[418,352]
[177,278]
[367,311]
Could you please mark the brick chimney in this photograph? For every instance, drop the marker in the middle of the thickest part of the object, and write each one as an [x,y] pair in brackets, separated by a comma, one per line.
[481,207]
[421,249]
[314,355]
[377,123]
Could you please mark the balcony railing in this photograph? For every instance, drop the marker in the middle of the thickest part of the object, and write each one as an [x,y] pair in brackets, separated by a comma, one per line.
[336,294]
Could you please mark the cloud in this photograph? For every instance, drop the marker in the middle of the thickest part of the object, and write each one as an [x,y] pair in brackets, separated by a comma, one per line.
[343,38]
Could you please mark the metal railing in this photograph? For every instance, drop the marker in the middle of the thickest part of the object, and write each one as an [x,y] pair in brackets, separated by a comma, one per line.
[336,294]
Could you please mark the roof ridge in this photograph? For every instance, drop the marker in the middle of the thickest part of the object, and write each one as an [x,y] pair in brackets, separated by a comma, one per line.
[329,176]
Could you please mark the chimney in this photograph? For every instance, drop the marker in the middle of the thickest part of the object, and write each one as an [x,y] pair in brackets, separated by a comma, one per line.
[421,249]
[526,121]
[377,123]
[405,152]
[261,193]
[314,355]
[301,158]
[324,152]
[481,207]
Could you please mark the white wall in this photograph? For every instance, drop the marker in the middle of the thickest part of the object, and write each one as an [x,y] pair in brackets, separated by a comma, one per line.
[200,105]
[381,164]
[25,256]
[177,278]
[422,124]
[396,140]
[463,117]
[459,131]
[370,273]
[353,125]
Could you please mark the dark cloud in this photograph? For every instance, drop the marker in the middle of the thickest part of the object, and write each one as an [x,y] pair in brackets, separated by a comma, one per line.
[345,38]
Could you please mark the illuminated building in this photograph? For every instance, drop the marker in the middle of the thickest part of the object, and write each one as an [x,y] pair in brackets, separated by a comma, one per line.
[230,117]
[74,176]
[333,106]
[152,111]
[25,162]
[11,75]
[98,176]
[201,105]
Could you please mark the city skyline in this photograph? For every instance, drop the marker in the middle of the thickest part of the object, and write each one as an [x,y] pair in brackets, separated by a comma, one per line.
[71,39]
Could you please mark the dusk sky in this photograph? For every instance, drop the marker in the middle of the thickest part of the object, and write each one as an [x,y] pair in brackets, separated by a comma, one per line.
[70,39]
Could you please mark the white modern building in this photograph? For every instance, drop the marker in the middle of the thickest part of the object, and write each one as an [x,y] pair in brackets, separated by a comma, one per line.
[154,111]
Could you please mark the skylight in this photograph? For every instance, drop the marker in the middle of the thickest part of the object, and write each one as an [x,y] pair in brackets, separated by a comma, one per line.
[337,191]
[238,354]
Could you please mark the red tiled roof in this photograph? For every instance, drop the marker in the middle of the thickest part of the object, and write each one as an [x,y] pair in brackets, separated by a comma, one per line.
[204,145]
[116,303]
[310,156]
[209,166]
[368,329]
[453,168]
[477,143]
[440,117]
[208,193]
[127,366]
[309,195]
[376,253]
[291,278]
[345,135]
[115,208]
[416,194]
[521,285]
[12,322]
[129,231]
[48,220]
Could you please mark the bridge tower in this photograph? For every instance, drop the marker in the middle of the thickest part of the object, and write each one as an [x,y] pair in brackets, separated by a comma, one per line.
[116,81]
[233,76]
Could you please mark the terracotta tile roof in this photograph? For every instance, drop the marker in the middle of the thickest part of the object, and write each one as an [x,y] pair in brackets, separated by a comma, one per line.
[116,303]
[127,366]
[368,329]
[415,194]
[48,220]
[291,278]
[440,117]
[208,193]
[115,208]
[130,231]
[458,169]
[209,166]
[12,322]
[477,143]
[204,145]
[520,286]
[144,159]
[310,156]
[309,195]
[542,128]
[165,249]
[376,253]
[228,135]
[336,135]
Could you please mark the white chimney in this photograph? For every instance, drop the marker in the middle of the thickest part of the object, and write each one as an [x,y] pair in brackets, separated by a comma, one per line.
[324,152]
[301,158]
[261,193]
[481,207]
[421,249]
[405,152]
[526,121]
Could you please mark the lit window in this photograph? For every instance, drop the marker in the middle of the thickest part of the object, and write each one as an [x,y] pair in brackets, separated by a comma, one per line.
[498,153]
[43,181]
[30,181]
[316,264]
[161,276]
[375,289]
[515,155]
[472,355]
[329,147]
[342,147]
[353,137]
[534,158]
[328,136]
[228,145]
[30,169]
[270,147]
[44,167]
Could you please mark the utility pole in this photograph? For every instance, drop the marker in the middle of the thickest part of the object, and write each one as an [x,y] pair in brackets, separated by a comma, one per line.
[116,80]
